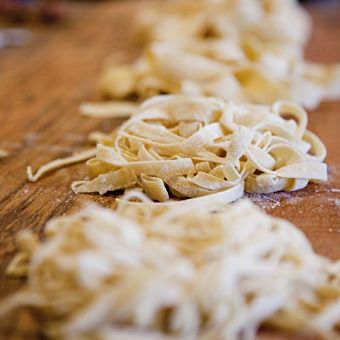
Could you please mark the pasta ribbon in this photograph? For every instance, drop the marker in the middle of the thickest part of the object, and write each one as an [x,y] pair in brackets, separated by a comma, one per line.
[59,163]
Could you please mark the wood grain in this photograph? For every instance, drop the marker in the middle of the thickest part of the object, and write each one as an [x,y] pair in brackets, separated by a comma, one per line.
[41,87]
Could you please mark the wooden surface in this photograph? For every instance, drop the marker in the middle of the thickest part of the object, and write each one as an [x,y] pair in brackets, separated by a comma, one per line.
[41,87]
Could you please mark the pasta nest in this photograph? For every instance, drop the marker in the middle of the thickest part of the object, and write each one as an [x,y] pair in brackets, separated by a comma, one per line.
[164,272]
[189,147]
[245,51]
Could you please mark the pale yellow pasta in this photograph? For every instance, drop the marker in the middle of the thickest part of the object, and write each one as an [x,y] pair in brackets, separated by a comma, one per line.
[108,110]
[245,51]
[59,163]
[266,20]
[183,271]
[188,146]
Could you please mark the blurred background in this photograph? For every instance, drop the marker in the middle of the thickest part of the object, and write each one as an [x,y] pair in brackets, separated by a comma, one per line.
[24,11]
[19,17]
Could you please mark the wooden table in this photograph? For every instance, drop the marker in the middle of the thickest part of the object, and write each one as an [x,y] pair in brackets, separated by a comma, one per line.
[41,87]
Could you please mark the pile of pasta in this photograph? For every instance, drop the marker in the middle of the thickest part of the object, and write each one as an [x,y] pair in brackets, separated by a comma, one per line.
[241,19]
[188,146]
[245,50]
[163,272]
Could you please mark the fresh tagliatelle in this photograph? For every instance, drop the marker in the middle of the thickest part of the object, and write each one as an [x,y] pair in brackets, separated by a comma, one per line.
[108,109]
[262,19]
[188,147]
[162,272]
[245,51]
[59,163]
